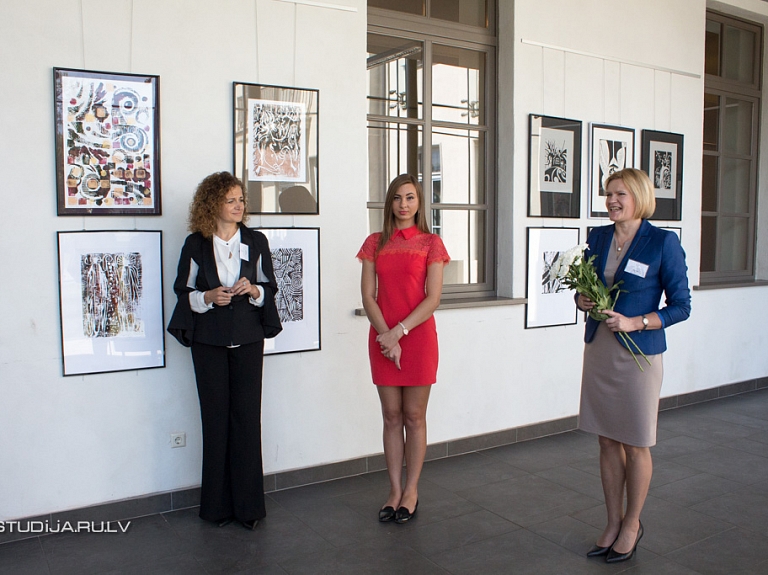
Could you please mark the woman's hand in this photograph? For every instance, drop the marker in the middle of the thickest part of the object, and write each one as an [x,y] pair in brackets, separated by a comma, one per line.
[389,339]
[220,296]
[618,322]
[243,287]
[393,354]
[584,303]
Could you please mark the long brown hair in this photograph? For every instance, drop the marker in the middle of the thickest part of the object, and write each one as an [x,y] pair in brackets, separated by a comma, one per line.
[389,214]
[209,197]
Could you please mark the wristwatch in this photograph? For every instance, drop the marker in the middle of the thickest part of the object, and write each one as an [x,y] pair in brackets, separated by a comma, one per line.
[405,329]
[645,323]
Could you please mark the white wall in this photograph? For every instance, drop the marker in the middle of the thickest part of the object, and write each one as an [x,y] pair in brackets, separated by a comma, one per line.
[76,441]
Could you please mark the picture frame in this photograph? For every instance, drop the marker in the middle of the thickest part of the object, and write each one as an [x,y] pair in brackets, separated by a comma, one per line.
[107,132]
[111,301]
[296,261]
[612,148]
[549,303]
[276,143]
[662,160]
[554,167]
[675,230]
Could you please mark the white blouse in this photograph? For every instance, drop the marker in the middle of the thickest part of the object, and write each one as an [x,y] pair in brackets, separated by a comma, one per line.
[228,260]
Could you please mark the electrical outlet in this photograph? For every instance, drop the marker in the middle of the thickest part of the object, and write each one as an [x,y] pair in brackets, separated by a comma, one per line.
[178,439]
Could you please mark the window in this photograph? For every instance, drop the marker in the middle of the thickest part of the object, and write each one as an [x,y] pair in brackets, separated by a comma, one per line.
[431,86]
[729,165]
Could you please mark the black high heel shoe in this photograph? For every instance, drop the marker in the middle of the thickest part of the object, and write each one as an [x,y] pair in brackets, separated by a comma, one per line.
[598,551]
[402,515]
[614,557]
[387,514]
[250,525]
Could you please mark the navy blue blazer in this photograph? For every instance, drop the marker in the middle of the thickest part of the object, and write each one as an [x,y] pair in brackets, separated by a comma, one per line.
[667,272]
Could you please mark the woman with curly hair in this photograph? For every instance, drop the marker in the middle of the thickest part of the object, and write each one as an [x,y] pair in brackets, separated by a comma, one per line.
[226,307]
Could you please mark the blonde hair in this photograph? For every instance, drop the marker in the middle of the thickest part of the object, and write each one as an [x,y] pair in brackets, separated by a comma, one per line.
[639,186]
[389,213]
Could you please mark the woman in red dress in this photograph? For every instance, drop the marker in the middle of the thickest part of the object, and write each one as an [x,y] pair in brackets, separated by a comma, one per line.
[405,262]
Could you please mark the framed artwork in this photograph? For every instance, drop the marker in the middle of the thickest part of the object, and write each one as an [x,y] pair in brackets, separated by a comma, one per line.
[549,302]
[554,167]
[677,231]
[296,260]
[111,301]
[662,160]
[107,143]
[612,149]
[276,146]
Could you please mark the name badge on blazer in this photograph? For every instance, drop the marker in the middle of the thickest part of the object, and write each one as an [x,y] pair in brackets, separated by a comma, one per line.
[636,268]
[244,252]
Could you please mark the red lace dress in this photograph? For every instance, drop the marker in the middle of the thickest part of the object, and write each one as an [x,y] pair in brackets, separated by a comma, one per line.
[401,273]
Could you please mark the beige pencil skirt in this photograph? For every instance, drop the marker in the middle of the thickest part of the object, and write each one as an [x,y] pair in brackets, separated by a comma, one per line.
[618,400]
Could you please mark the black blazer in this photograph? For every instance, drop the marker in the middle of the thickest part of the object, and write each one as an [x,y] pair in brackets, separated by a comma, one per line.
[238,323]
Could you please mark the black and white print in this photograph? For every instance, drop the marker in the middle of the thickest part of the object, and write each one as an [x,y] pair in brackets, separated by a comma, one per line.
[550,283]
[612,150]
[289,272]
[664,166]
[549,302]
[296,263]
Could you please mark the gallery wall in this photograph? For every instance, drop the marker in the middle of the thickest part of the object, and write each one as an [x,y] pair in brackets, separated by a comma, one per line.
[69,442]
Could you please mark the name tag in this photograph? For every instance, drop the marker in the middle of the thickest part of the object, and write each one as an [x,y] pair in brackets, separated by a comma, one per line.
[244,252]
[636,268]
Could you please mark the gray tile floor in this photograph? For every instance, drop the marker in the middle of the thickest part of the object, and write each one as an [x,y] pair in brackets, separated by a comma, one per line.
[532,507]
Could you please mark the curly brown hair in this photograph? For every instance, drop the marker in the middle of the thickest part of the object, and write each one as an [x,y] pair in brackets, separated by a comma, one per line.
[209,197]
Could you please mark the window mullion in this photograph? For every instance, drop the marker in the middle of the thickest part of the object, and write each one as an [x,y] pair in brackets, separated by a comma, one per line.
[426,137]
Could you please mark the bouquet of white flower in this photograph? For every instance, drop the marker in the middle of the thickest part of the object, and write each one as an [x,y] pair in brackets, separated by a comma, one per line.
[579,274]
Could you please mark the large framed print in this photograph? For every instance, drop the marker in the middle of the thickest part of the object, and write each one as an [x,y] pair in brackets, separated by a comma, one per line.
[296,261]
[549,302]
[554,167]
[276,148]
[107,143]
[111,301]
[612,149]
[662,160]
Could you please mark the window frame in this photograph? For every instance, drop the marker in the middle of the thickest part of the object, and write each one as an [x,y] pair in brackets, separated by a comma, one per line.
[432,32]
[744,91]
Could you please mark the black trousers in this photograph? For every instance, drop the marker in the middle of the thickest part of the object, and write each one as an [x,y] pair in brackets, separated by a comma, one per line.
[229,388]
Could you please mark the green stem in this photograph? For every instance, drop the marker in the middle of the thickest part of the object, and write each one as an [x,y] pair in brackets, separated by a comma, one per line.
[640,351]
[624,337]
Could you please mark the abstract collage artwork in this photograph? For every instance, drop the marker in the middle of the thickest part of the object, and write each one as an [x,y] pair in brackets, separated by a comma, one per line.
[107,143]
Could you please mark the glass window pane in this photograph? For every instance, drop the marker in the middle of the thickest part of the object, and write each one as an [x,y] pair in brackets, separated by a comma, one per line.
[463,233]
[470,12]
[734,191]
[737,129]
[460,171]
[738,54]
[711,121]
[709,184]
[394,77]
[393,149]
[408,6]
[712,48]
[733,244]
[708,243]
[458,77]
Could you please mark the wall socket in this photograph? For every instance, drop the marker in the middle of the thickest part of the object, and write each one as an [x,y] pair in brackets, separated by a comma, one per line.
[178,439]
